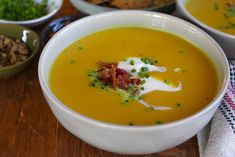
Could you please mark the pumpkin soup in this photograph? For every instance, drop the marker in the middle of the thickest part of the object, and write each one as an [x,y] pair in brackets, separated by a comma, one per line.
[133,76]
[219,14]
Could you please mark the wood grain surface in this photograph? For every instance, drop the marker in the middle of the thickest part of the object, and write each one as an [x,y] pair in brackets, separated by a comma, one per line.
[29,129]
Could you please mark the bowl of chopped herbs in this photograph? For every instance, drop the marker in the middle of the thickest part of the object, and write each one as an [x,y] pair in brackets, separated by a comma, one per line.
[29,13]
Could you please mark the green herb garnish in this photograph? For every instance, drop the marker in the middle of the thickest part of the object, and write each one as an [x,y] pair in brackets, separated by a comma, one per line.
[141,97]
[98,84]
[72,61]
[92,84]
[148,61]
[159,122]
[167,81]
[144,69]
[178,104]
[230,26]
[80,47]
[150,108]
[143,74]
[181,51]
[131,124]
[133,70]
[132,62]
[128,95]
[92,73]
[230,10]
[21,10]
[142,82]
[216,6]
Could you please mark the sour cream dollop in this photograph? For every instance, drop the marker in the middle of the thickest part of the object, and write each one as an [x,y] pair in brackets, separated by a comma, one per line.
[134,65]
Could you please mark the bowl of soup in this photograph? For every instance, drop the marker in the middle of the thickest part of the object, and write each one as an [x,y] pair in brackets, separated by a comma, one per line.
[214,16]
[133,82]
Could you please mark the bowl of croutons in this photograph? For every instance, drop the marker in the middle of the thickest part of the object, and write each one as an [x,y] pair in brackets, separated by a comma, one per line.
[18,46]
[99,6]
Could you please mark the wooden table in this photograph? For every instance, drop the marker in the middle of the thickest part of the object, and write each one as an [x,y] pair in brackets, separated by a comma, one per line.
[29,129]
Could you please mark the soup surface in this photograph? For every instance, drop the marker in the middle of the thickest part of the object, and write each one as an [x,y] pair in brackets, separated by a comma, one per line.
[219,14]
[171,78]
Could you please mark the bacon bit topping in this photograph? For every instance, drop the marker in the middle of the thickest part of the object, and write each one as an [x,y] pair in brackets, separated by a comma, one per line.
[110,74]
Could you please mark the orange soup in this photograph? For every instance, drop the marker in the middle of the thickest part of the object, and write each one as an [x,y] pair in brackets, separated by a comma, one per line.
[219,14]
[133,76]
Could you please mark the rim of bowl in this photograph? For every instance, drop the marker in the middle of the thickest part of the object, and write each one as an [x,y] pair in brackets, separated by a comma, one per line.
[200,23]
[42,18]
[58,103]
[33,53]
[114,9]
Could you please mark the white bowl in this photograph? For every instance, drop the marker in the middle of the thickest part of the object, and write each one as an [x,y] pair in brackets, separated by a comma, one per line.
[89,8]
[132,139]
[53,7]
[226,41]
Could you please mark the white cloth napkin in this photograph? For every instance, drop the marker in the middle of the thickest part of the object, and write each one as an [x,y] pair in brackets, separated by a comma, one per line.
[217,139]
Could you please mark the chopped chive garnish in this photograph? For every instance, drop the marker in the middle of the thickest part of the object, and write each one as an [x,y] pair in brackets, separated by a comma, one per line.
[141,97]
[132,62]
[178,104]
[144,69]
[92,73]
[142,82]
[72,61]
[230,10]
[216,6]
[80,48]
[181,51]
[228,26]
[133,70]
[141,74]
[146,75]
[141,88]
[131,124]
[92,84]
[166,81]
[147,61]
[159,122]
[150,108]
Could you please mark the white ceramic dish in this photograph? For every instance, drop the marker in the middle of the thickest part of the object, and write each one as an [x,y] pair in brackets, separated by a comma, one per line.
[226,41]
[53,7]
[132,139]
[90,8]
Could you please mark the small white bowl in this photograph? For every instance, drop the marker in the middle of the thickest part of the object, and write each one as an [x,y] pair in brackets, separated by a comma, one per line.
[226,41]
[89,8]
[132,139]
[53,7]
